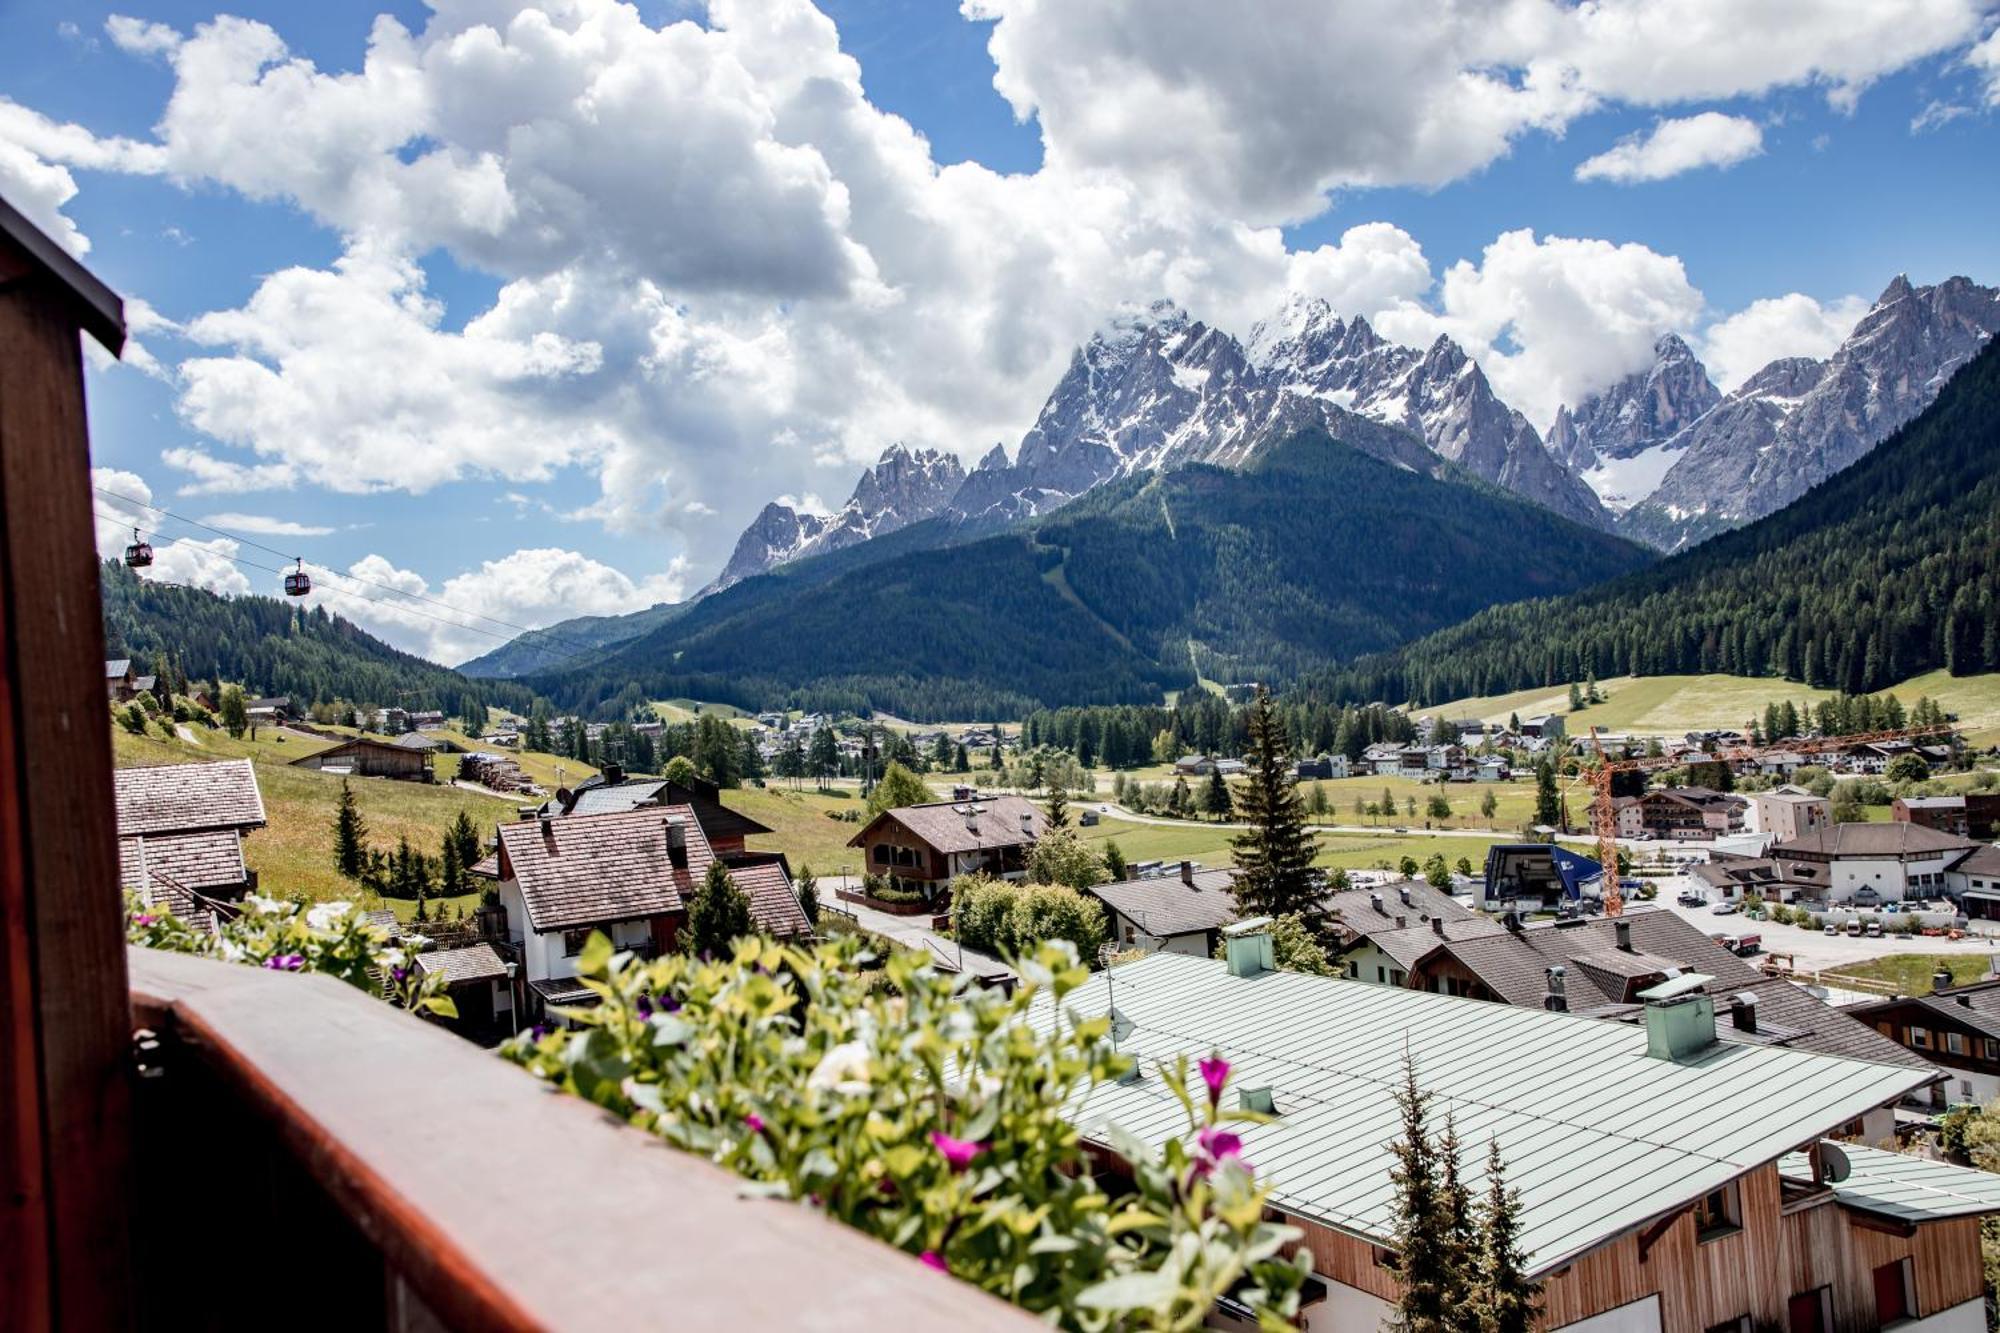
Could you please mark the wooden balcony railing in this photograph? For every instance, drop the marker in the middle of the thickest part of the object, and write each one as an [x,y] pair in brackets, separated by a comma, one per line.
[312,1157]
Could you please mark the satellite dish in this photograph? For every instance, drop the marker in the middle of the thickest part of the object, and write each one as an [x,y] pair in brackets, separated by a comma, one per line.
[1833,1164]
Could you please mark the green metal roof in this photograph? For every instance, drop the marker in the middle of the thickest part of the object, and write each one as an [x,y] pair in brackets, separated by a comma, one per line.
[1598,1136]
[1909,1189]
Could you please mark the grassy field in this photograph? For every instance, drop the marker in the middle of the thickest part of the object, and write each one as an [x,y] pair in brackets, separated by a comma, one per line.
[1209,845]
[1911,972]
[1669,705]
[799,825]
[294,852]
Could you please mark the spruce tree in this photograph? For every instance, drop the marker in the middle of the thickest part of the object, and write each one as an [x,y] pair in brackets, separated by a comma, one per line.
[1424,1264]
[1274,855]
[1507,1301]
[350,835]
[808,886]
[466,835]
[1548,805]
[1215,800]
[1461,1233]
[451,869]
[1058,806]
[718,916]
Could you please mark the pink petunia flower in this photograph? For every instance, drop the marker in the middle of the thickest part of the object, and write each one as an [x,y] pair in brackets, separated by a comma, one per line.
[935,1260]
[1218,1145]
[1215,1073]
[754,1123]
[958,1152]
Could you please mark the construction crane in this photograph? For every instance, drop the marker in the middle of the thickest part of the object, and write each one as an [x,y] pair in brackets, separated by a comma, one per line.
[1604,817]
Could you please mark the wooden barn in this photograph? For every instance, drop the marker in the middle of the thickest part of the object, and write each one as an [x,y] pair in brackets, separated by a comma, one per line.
[365,758]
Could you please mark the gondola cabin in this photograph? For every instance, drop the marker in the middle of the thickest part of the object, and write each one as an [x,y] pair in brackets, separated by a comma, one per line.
[140,553]
[298,583]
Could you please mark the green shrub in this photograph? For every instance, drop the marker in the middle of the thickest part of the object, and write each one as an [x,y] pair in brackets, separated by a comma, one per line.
[1010,920]
[931,1116]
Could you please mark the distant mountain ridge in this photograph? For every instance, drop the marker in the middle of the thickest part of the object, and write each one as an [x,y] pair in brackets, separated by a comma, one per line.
[1886,570]
[1310,551]
[1157,389]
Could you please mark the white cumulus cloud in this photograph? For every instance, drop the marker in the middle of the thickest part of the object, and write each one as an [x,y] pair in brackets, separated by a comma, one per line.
[199,562]
[1554,319]
[1671,147]
[1739,345]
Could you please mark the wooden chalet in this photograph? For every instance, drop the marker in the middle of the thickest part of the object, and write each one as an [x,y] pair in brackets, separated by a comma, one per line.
[365,757]
[1954,1027]
[927,846]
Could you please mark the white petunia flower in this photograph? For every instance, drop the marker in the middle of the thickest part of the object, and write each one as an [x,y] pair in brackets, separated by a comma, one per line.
[844,1070]
[267,906]
[326,916]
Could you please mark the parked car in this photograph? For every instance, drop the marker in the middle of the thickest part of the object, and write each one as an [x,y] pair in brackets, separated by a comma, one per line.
[1854,926]
[1874,929]
[1691,899]
[1726,908]
[1832,929]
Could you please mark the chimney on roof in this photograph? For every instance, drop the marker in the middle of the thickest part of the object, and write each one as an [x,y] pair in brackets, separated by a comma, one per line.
[1512,922]
[1404,894]
[1187,873]
[1624,929]
[1680,1017]
[1247,947]
[1437,926]
[1965,1000]
[1401,921]
[1941,979]
[1743,1011]
[1554,1000]
[677,844]
[613,774]
[1375,901]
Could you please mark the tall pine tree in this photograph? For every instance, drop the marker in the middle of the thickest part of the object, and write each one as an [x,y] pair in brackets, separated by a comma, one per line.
[1429,1278]
[1274,856]
[350,835]
[1506,1300]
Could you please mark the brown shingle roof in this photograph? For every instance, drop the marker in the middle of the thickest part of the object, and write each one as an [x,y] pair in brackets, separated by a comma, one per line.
[774,905]
[1894,838]
[209,860]
[1513,963]
[1166,905]
[179,798]
[1981,860]
[1358,916]
[475,962]
[962,826]
[591,869]
[1411,943]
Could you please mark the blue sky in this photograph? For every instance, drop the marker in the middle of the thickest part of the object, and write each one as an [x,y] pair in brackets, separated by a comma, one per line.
[538,358]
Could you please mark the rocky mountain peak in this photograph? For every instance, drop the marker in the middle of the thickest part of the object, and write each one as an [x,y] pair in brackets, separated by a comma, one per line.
[1606,437]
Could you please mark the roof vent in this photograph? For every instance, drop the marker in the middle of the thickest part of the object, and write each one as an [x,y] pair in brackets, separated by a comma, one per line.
[677,844]
[1743,1010]
[1261,1100]
[1247,947]
[1375,901]
[1555,1001]
[1941,979]
[1680,1017]
[1965,1000]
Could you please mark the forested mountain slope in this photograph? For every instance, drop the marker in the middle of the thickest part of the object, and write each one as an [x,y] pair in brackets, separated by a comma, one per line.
[1883,571]
[1314,552]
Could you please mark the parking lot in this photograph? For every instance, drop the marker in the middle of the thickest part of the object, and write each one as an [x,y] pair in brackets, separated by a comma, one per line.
[1814,950]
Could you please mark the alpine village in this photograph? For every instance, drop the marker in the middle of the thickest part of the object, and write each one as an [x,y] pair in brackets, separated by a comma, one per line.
[1454,804]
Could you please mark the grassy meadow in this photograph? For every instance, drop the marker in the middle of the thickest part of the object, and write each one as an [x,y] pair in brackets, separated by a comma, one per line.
[1670,705]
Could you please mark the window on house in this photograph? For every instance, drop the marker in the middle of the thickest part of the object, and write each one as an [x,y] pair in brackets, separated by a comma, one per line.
[573,942]
[881,853]
[1353,969]
[1920,1038]
[1719,1213]
[1396,976]
[1989,1048]
[1892,1293]
[1954,1042]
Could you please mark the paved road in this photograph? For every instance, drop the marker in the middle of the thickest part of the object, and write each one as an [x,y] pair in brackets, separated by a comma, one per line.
[915,932]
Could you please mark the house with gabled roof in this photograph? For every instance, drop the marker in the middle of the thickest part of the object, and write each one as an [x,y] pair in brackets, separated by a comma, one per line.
[1956,1027]
[1182,910]
[1879,862]
[629,874]
[927,846]
[186,823]
[1667,1179]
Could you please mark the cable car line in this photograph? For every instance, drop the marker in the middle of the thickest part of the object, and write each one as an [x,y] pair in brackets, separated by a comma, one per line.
[520,631]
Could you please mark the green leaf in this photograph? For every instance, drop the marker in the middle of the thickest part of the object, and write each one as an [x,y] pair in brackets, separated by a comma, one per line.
[596,955]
